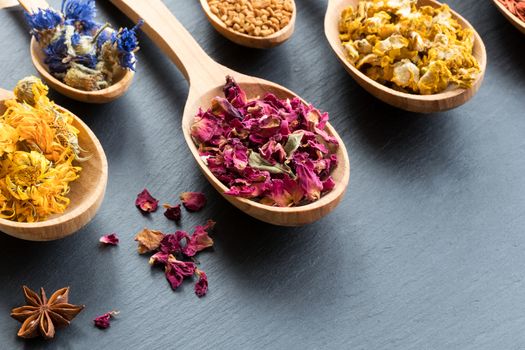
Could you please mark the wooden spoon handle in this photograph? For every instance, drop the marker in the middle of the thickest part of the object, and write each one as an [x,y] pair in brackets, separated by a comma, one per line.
[33,5]
[168,33]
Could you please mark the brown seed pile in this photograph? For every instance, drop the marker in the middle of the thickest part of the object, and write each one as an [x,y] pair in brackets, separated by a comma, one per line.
[253,17]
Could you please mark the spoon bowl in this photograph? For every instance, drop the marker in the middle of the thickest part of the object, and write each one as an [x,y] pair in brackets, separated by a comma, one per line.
[252,41]
[515,21]
[207,78]
[86,194]
[120,84]
[411,102]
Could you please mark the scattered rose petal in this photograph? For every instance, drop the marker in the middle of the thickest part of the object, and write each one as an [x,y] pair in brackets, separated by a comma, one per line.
[172,243]
[199,240]
[111,239]
[103,321]
[193,201]
[201,287]
[172,212]
[159,258]
[177,270]
[149,240]
[145,202]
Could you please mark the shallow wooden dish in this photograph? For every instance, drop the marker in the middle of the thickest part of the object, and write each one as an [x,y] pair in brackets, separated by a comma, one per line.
[249,40]
[410,102]
[515,21]
[86,195]
[117,89]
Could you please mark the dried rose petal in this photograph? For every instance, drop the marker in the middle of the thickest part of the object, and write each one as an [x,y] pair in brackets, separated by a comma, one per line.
[201,287]
[149,240]
[193,201]
[145,202]
[276,151]
[159,258]
[103,321]
[111,239]
[177,270]
[172,212]
[199,240]
[172,243]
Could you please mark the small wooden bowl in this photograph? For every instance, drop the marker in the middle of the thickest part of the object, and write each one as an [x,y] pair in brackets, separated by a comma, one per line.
[515,21]
[411,102]
[118,88]
[86,195]
[257,42]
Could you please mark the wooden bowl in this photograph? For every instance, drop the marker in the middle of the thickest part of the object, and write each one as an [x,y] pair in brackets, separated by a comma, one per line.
[411,102]
[121,84]
[257,42]
[86,195]
[515,21]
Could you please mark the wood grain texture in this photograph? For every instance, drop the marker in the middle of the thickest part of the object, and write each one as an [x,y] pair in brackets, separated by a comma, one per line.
[257,42]
[411,102]
[207,79]
[424,252]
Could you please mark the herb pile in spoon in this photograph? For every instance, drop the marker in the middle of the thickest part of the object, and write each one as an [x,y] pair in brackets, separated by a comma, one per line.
[80,52]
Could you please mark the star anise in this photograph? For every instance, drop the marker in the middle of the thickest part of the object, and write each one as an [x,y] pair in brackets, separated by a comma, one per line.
[41,315]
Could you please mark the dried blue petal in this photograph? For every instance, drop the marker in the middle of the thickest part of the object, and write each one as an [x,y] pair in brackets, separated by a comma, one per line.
[75,39]
[55,53]
[43,19]
[89,61]
[127,43]
[79,10]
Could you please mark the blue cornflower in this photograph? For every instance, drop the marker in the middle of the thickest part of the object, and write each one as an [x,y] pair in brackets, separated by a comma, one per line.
[55,54]
[75,39]
[127,60]
[89,61]
[43,19]
[105,36]
[80,14]
[127,38]
[79,10]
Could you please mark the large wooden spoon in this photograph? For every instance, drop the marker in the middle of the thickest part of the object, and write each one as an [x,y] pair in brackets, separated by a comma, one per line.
[206,78]
[258,42]
[121,83]
[410,102]
[86,194]
[514,20]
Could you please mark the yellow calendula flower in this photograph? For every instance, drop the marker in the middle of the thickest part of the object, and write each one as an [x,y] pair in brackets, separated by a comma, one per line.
[38,145]
[8,138]
[420,50]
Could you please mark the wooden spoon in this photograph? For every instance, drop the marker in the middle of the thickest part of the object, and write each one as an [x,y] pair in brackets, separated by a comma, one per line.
[515,21]
[206,78]
[250,40]
[410,102]
[86,192]
[121,83]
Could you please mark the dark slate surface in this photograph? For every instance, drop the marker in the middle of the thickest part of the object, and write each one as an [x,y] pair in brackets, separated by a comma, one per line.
[425,252]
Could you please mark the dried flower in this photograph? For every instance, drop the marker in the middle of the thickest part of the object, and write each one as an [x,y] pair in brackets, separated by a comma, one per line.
[410,48]
[38,145]
[79,51]
[177,270]
[42,315]
[172,243]
[111,239]
[201,287]
[149,240]
[103,321]
[199,240]
[172,212]
[267,149]
[193,201]
[516,7]
[145,202]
